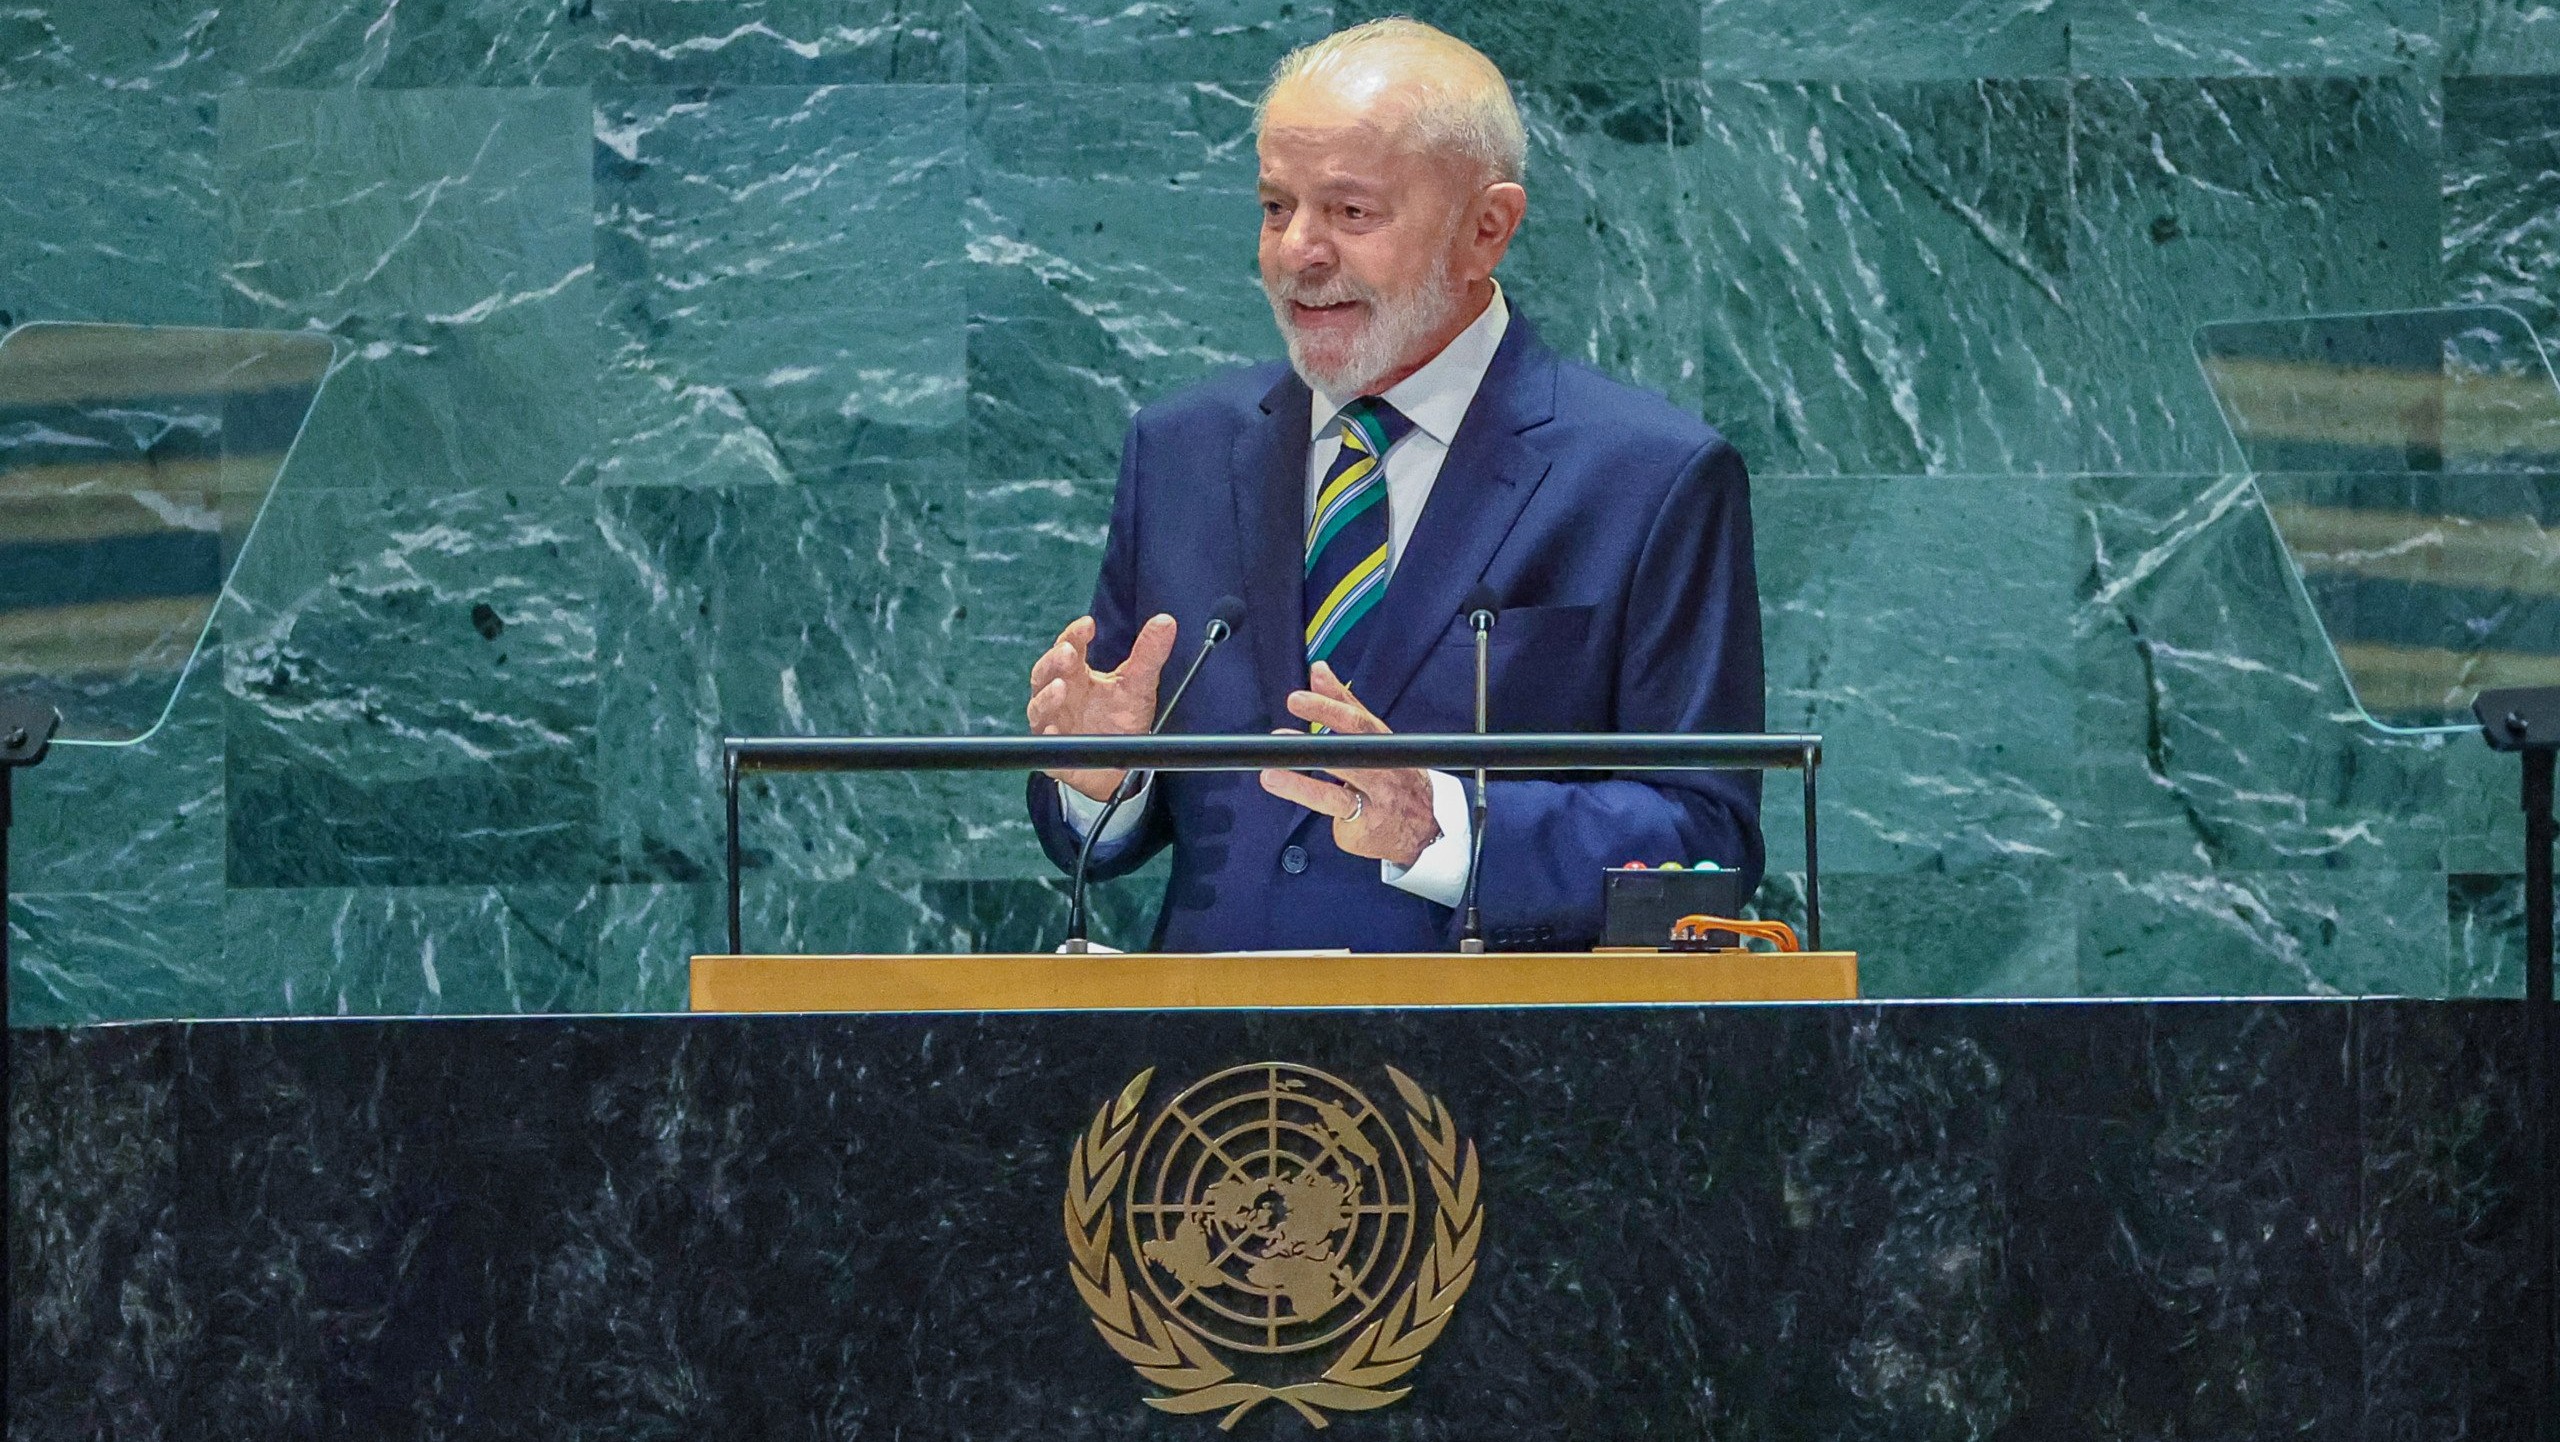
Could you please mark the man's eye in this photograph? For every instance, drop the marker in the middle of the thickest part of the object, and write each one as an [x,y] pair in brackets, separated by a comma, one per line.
[1354,212]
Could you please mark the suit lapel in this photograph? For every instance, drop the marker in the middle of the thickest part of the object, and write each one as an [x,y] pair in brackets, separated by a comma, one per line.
[1270,470]
[1487,479]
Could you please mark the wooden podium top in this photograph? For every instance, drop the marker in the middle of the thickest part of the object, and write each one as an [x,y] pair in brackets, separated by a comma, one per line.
[1155,982]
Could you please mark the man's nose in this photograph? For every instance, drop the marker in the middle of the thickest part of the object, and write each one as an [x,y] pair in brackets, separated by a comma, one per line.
[1303,243]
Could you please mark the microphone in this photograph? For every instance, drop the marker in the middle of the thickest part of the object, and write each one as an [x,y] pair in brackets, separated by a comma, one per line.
[1479,609]
[1224,616]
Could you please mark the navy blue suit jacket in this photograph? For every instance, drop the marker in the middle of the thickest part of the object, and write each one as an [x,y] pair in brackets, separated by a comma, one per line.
[1616,533]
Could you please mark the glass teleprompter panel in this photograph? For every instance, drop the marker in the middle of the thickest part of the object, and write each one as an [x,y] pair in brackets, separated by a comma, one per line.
[2410,464]
[134,461]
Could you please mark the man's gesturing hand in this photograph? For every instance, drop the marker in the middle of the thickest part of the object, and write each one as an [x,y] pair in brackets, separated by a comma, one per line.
[1381,814]
[1070,698]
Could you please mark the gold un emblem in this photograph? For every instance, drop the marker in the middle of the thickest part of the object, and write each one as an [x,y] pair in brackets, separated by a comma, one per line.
[1268,1212]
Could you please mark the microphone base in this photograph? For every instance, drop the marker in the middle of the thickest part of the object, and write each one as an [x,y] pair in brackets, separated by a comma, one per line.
[1075,946]
[1471,946]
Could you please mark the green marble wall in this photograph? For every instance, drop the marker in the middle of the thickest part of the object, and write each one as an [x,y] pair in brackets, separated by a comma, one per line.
[760,366]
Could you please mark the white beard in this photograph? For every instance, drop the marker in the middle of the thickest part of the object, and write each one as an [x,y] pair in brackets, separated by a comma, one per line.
[1398,325]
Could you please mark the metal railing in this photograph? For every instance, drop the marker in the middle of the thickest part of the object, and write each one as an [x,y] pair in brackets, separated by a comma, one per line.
[1460,752]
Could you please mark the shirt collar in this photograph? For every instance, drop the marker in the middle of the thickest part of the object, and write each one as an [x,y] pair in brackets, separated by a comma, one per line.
[1435,398]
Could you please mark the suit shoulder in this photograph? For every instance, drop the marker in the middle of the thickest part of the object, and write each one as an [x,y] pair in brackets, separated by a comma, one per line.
[1630,443]
[1225,398]
[1587,400]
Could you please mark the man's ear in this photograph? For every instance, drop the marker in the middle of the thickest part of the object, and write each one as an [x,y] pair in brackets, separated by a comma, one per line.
[1498,210]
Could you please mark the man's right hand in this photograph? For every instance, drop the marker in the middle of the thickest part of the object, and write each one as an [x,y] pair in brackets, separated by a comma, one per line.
[1070,698]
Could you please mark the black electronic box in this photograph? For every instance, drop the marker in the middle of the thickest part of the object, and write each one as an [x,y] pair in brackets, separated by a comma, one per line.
[1640,903]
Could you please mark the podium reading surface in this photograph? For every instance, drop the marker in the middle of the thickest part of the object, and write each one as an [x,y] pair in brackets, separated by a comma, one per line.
[1138,981]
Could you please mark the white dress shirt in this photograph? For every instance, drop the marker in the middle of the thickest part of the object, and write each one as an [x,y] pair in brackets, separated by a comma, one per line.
[1435,398]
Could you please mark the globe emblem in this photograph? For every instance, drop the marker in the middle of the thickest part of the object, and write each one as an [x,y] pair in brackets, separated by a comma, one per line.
[1271,1208]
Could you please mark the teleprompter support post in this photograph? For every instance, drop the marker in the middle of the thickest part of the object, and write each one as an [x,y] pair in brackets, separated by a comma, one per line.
[729,785]
[1505,752]
[1812,848]
[2526,720]
[26,734]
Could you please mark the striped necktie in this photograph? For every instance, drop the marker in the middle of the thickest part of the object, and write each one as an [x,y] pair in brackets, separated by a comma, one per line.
[1347,536]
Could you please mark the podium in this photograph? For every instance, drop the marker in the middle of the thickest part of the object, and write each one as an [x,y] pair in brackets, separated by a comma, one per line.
[1166,982]
[763,1226]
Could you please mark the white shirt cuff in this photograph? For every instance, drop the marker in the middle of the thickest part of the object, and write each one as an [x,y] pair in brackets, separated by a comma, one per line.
[1440,872]
[1082,811]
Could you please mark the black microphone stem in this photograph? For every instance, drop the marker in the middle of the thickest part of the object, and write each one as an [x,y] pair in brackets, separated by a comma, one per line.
[1131,783]
[1076,920]
[1471,927]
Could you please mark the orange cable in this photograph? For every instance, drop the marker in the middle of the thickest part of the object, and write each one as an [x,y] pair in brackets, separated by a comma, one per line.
[1776,933]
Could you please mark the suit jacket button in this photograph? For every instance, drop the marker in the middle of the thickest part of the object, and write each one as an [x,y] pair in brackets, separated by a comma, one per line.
[1293,859]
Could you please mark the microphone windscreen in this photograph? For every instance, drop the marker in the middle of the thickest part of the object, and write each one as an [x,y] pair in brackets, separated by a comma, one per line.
[1229,609]
[1480,599]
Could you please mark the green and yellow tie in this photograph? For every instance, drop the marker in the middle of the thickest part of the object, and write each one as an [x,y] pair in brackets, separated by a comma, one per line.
[1347,537]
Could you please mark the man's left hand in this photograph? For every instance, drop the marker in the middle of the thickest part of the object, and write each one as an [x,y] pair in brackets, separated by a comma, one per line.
[1384,815]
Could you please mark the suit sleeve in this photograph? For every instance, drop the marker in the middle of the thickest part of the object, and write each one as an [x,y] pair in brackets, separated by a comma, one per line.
[1116,619]
[1689,662]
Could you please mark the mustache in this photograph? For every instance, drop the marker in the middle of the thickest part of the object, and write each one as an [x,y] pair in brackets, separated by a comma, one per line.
[1331,291]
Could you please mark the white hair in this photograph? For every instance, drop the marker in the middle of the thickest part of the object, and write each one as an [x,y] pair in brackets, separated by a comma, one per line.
[1463,105]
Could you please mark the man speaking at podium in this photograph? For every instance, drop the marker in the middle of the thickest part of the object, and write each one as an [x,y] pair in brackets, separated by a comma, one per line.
[1421,443]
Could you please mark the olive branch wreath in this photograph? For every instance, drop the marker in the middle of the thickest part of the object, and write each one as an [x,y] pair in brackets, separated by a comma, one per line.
[1167,1354]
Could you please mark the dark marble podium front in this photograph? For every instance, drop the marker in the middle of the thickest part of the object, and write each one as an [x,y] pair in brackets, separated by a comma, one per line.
[1906,1221]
